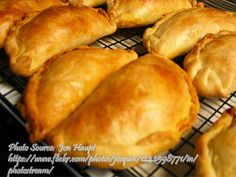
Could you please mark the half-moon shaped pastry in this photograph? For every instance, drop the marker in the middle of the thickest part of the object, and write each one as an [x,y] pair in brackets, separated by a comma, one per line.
[134,13]
[212,65]
[54,31]
[13,10]
[137,111]
[90,3]
[64,82]
[175,35]
[216,148]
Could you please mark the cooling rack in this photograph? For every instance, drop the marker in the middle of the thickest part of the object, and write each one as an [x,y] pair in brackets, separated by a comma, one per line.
[12,87]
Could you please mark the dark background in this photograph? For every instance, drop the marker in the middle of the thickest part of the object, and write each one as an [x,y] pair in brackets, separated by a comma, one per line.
[12,131]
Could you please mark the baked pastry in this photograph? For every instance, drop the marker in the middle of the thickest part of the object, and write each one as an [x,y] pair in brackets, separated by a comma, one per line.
[137,111]
[216,148]
[212,65]
[175,35]
[13,10]
[64,82]
[90,3]
[134,13]
[40,37]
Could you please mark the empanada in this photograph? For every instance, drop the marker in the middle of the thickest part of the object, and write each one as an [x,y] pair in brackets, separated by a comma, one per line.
[212,65]
[64,82]
[134,13]
[216,148]
[90,3]
[175,35]
[54,31]
[137,111]
[13,10]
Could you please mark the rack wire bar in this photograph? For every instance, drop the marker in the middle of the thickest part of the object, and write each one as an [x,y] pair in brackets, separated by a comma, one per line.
[12,87]
[229,5]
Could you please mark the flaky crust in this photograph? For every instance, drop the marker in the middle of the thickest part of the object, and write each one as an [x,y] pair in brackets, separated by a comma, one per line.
[216,148]
[64,82]
[138,110]
[212,65]
[176,34]
[14,10]
[32,43]
[134,13]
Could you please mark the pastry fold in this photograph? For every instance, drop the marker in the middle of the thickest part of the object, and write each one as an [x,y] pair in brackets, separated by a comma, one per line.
[176,34]
[64,82]
[134,13]
[212,65]
[54,31]
[14,10]
[216,148]
[137,111]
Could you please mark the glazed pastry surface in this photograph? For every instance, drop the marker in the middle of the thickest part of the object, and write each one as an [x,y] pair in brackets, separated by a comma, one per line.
[176,34]
[39,38]
[64,82]
[216,148]
[89,3]
[13,10]
[136,111]
[134,13]
[212,65]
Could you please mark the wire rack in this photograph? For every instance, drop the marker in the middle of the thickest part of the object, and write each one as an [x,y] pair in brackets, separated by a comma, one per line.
[12,87]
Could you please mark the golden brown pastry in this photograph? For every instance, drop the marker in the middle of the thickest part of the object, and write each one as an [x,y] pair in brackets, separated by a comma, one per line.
[134,13]
[64,82]
[137,111]
[216,148]
[175,35]
[90,3]
[212,65]
[54,31]
[13,10]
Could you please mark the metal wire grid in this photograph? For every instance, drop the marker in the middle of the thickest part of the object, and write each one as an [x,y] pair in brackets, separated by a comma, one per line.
[12,87]
[229,5]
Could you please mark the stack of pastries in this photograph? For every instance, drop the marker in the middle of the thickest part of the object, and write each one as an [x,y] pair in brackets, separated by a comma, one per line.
[125,104]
